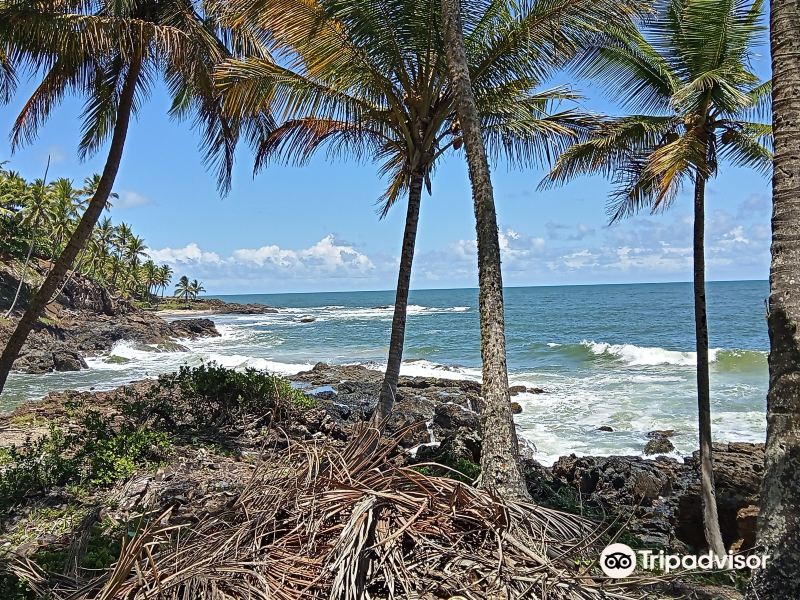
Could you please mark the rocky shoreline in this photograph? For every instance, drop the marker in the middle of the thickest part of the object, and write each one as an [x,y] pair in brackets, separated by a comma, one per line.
[85,320]
[435,422]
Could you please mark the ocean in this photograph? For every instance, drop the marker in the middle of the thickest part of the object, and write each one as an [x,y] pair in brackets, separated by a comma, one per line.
[608,355]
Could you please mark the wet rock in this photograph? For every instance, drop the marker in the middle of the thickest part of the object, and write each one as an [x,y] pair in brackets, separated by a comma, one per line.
[193,328]
[658,446]
[515,390]
[605,428]
[516,408]
[657,434]
[410,418]
[307,319]
[449,417]
[68,361]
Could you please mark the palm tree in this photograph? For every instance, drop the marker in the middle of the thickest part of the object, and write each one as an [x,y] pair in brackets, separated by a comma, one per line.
[66,201]
[150,276]
[102,241]
[183,289]
[133,251]
[90,186]
[369,81]
[689,71]
[196,288]
[780,492]
[110,52]
[36,210]
[164,277]
[500,468]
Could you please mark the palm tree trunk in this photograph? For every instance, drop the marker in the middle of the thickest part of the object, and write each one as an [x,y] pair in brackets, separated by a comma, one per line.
[779,521]
[82,231]
[500,470]
[389,387]
[707,488]
[22,278]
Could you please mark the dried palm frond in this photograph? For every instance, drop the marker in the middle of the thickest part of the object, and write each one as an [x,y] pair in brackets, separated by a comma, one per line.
[318,523]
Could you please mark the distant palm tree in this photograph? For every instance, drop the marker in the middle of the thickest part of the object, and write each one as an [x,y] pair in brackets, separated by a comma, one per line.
[150,276]
[196,288]
[66,201]
[164,277]
[183,289]
[110,52]
[90,186]
[35,201]
[689,71]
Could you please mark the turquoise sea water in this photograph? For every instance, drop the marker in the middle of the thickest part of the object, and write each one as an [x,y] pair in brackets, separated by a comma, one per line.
[616,355]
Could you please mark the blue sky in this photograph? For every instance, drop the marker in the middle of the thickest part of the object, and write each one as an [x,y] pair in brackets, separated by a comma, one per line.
[315,228]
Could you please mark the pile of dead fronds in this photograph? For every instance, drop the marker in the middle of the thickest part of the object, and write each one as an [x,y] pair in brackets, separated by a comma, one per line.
[317,523]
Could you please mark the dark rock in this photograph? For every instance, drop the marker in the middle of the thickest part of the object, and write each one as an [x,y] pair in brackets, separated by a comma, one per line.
[382,307]
[516,408]
[193,328]
[605,428]
[660,433]
[515,390]
[410,417]
[307,319]
[68,361]
[658,446]
[746,522]
[450,417]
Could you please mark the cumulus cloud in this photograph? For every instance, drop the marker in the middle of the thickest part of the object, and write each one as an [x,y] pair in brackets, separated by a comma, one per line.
[130,199]
[327,258]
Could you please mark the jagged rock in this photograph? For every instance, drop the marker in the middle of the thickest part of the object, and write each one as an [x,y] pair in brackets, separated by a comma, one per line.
[193,328]
[657,434]
[449,417]
[516,408]
[68,361]
[411,415]
[658,446]
[515,390]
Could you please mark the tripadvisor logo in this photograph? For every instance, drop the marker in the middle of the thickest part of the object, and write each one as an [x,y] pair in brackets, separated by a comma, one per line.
[620,560]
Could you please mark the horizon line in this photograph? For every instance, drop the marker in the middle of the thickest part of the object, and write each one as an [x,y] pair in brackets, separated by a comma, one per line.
[444,289]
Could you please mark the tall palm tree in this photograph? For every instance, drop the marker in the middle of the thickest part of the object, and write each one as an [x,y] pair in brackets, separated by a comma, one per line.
[102,241]
[779,521]
[500,468]
[183,289]
[133,251]
[66,202]
[689,72]
[110,52]
[368,79]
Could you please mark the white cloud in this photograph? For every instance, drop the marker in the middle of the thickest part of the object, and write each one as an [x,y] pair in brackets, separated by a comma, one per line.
[190,254]
[327,258]
[130,199]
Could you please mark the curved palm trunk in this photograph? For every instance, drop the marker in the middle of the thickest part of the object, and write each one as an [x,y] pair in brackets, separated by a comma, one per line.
[779,521]
[500,469]
[82,231]
[707,488]
[389,387]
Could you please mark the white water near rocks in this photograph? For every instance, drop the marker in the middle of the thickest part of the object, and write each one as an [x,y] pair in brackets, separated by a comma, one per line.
[617,356]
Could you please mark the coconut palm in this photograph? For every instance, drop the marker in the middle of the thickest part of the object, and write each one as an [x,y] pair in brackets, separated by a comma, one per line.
[688,72]
[164,277]
[110,53]
[196,288]
[66,202]
[35,201]
[183,289]
[90,186]
[500,468]
[780,494]
[368,80]
[150,276]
